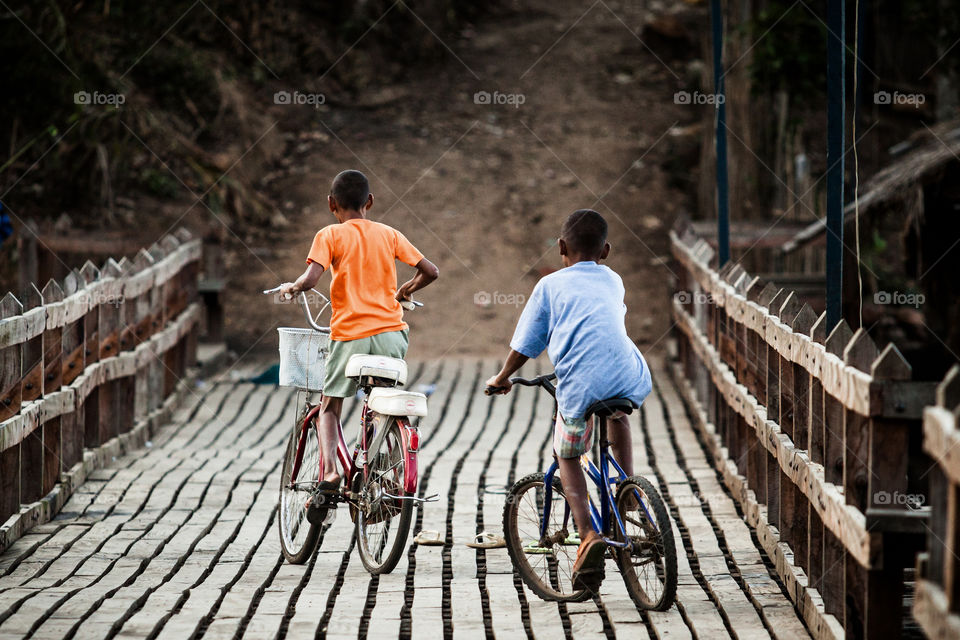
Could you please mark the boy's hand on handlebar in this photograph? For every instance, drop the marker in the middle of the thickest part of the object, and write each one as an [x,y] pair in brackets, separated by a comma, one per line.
[403,292]
[288,290]
[497,386]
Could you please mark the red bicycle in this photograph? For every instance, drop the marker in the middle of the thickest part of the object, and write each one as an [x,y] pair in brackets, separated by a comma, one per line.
[381,472]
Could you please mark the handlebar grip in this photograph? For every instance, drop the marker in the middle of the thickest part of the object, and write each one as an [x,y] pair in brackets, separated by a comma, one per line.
[489,390]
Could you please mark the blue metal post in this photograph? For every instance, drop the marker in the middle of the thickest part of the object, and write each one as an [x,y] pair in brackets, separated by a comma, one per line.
[723,205]
[836,106]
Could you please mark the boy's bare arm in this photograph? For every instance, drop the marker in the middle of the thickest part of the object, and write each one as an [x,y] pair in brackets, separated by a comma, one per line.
[427,272]
[308,279]
[501,381]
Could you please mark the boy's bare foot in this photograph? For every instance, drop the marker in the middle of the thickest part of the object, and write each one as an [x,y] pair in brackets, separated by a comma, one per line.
[588,569]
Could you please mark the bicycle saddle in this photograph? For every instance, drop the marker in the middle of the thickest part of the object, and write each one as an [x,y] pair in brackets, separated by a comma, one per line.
[391,369]
[604,408]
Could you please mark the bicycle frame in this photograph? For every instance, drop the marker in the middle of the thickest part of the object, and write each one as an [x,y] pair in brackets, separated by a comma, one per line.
[602,479]
[349,463]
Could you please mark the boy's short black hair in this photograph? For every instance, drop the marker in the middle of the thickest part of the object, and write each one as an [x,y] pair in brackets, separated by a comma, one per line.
[585,232]
[350,189]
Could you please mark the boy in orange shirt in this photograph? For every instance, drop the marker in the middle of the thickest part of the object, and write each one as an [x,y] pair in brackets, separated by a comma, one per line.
[366,315]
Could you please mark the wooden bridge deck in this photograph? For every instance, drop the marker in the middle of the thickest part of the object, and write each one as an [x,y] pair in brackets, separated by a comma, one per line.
[179,540]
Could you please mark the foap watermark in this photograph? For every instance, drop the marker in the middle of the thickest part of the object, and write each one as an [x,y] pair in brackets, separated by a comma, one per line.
[299,98]
[696,97]
[497,98]
[99,99]
[98,298]
[313,298]
[897,98]
[487,299]
[688,297]
[899,298]
[910,500]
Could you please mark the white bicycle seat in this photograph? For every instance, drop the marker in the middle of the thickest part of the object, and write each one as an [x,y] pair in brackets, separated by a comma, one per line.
[360,365]
[397,402]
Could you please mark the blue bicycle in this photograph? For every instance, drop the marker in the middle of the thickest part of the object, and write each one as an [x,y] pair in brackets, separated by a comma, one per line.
[542,538]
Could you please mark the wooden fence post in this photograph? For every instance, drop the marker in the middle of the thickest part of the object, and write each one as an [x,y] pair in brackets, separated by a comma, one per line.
[31,447]
[860,353]
[89,412]
[11,379]
[52,382]
[815,544]
[772,395]
[138,314]
[834,553]
[109,327]
[71,425]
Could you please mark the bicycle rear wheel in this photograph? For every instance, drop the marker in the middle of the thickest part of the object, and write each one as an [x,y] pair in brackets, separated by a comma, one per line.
[382,516]
[544,562]
[649,567]
[298,538]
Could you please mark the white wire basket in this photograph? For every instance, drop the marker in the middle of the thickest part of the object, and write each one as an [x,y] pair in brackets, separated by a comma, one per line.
[303,358]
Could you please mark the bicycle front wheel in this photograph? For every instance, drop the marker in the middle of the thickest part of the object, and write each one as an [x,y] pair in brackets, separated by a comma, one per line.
[649,566]
[383,515]
[298,480]
[543,558]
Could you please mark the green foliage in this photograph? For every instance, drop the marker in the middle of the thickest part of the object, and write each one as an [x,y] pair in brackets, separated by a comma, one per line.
[160,183]
[790,50]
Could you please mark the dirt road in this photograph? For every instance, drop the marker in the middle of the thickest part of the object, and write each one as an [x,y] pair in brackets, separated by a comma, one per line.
[478,160]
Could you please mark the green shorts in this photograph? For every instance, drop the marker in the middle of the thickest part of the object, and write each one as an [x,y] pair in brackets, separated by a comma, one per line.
[392,344]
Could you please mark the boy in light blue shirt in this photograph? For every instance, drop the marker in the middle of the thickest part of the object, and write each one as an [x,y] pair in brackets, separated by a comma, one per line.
[577,315]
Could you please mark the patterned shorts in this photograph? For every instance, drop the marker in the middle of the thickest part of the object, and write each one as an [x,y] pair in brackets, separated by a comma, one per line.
[572,438]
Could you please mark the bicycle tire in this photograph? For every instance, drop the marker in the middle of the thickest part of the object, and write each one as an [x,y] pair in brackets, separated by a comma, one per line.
[292,515]
[551,579]
[383,513]
[656,538]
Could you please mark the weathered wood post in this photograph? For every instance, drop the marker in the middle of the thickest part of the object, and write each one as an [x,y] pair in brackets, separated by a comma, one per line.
[11,379]
[88,409]
[31,446]
[834,553]
[109,322]
[52,382]
[71,423]
[860,353]
[136,291]
[815,544]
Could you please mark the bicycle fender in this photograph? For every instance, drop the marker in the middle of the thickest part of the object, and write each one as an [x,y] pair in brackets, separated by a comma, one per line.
[411,444]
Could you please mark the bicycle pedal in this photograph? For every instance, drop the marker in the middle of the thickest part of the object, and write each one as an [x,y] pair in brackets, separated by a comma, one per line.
[318,515]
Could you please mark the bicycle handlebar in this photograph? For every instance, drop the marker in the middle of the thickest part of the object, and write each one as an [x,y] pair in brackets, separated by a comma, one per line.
[306,307]
[407,304]
[545,381]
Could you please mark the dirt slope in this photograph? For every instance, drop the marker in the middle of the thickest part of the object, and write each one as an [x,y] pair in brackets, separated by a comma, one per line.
[482,189]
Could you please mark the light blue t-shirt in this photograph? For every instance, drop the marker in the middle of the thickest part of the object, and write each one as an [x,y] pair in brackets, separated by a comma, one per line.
[577,314]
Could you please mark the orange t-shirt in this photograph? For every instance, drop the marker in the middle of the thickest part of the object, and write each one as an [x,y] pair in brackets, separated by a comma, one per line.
[361,255]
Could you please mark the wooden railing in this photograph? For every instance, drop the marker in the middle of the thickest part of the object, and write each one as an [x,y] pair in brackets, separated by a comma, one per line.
[815,432]
[88,367]
[937,602]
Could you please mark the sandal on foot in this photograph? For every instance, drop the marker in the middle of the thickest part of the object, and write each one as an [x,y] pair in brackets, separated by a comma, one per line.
[588,569]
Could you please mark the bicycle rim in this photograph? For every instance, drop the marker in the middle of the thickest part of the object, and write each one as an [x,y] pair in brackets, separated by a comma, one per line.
[297,536]
[545,563]
[649,568]
[382,521]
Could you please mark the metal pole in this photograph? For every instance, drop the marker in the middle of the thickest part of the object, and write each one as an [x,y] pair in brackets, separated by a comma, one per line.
[836,104]
[720,99]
